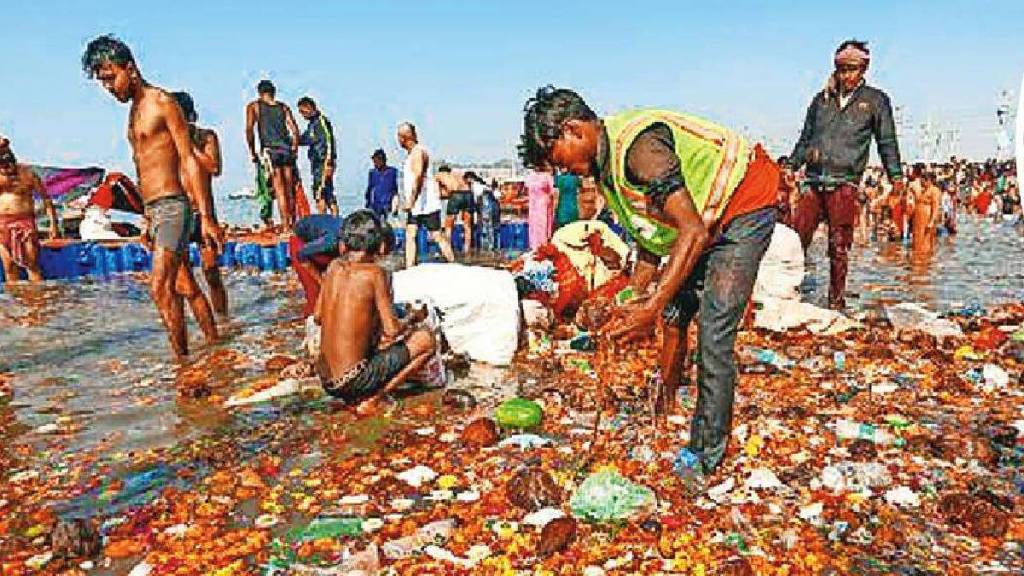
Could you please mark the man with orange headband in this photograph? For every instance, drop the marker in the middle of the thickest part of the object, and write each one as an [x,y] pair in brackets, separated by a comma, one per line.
[834,147]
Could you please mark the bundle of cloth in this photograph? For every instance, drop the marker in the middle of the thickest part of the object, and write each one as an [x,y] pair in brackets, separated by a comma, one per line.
[118,193]
[584,260]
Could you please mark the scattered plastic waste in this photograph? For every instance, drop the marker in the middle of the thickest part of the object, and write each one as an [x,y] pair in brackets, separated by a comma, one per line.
[436,534]
[849,430]
[902,496]
[910,316]
[872,453]
[525,441]
[417,475]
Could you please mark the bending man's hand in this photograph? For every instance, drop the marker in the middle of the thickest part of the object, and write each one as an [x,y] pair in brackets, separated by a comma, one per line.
[633,322]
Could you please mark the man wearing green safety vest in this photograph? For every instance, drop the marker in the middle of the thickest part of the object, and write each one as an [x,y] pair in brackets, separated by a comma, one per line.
[688,190]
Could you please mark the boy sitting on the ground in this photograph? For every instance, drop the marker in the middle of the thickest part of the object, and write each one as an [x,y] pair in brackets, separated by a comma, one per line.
[355,305]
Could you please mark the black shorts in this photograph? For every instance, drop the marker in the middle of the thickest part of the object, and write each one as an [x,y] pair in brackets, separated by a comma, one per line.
[431,222]
[367,377]
[460,202]
[281,157]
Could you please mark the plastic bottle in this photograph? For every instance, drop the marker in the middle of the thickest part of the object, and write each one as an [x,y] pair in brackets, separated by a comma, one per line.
[687,467]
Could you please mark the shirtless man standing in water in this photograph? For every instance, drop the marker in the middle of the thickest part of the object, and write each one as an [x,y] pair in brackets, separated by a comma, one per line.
[207,151]
[19,239]
[454,187]
[170,181]
[926,213]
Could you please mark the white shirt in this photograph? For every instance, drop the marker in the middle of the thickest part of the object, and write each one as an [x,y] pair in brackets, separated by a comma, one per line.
[429,199]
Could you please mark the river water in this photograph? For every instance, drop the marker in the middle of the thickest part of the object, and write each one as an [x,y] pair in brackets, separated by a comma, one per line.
[92,359]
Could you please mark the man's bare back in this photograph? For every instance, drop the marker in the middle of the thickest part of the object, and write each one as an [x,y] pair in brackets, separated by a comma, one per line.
[449,183]
[354,301]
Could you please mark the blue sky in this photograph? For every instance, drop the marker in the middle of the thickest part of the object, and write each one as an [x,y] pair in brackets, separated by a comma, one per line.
[462,70]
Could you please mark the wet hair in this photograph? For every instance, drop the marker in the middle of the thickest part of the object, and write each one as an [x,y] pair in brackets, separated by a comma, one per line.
[444,168]
[306,101]
[187,105]
[543,117]
[266,87]
[379,153]
[104,49]
[858,44]
[361,232]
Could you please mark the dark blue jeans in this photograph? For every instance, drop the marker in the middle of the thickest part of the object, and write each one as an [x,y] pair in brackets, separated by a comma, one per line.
[725,275]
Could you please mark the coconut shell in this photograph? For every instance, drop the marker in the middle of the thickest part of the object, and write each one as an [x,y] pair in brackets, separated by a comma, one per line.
[532,489]
[556,536]
[481,432]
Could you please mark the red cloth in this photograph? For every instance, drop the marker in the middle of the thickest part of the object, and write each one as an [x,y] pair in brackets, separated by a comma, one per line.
[611,288]
[572,289]
[15,232]
[308,279]
[982,201]
[118,192]
[301,203]
[758,188]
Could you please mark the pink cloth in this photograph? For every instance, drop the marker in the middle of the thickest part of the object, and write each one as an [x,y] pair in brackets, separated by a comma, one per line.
[540,189]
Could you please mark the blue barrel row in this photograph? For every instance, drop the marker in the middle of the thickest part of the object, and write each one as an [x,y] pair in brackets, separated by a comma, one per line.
[511,236]
[92,259]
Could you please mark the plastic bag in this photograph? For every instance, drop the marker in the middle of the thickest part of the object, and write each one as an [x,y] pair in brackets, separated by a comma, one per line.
[607,495]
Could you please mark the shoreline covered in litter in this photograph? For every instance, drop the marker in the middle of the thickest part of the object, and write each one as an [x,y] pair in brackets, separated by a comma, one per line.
[865,451]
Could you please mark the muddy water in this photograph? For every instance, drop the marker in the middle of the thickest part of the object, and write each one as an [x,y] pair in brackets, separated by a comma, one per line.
[982,265]
[91,359]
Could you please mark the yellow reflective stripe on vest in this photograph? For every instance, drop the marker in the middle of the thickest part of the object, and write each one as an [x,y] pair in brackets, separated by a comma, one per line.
[719,189]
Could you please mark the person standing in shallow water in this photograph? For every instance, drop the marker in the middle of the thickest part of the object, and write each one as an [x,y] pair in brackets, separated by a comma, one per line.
[170,181]
[323,154]
[421,197]
[279,138]
[382,186]
[686,189]
[207,151]
[833,145]
[19,239]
